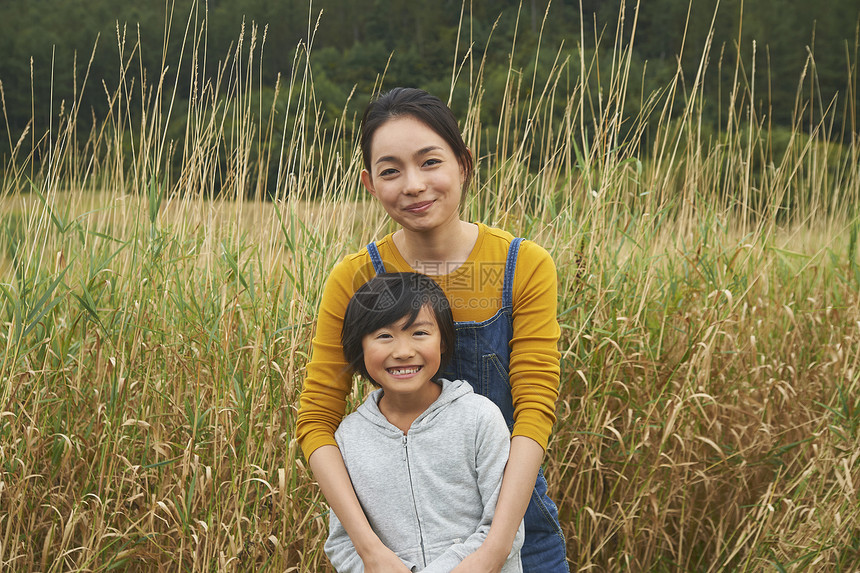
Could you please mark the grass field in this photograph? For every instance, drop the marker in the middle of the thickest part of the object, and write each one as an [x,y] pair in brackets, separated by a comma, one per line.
[153,337]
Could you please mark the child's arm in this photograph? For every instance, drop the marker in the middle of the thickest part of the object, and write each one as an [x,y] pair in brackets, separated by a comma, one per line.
[493,444]
[517,486]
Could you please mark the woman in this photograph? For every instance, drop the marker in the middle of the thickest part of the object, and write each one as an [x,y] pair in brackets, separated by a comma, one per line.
[503,293]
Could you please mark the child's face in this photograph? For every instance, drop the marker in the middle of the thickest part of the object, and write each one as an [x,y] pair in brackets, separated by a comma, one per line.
[403,361]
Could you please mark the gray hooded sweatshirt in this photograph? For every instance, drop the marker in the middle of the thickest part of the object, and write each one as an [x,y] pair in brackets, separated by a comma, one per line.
[429,494]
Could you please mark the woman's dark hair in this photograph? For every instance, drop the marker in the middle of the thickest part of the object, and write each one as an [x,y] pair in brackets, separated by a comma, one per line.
[386,299]
[426,108]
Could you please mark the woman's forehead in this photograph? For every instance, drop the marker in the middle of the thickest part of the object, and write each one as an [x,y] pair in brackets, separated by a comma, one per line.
[405,135]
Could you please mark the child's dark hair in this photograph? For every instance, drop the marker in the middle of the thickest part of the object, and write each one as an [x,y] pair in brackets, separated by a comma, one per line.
[386,299]
[426,108]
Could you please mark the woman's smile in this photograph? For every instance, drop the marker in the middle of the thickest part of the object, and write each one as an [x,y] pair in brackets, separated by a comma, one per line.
[420,207]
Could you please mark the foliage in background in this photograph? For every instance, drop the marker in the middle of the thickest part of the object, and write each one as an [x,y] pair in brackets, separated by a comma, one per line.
[61,54]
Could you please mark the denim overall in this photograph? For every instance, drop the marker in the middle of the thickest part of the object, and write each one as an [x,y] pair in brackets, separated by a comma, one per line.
[482,358]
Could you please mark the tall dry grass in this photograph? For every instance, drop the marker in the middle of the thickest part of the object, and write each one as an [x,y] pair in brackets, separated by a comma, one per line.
[154,337]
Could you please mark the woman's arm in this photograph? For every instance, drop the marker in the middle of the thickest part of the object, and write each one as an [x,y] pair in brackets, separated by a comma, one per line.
[534,377]
[322,404]
[517,486]
[328,378]
[339,548]
[534,366]
[330,472]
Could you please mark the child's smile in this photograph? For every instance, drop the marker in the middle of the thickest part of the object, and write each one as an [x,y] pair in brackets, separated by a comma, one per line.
[404,371]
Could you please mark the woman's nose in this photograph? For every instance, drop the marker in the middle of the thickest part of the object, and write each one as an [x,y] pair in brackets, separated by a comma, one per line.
[414,182]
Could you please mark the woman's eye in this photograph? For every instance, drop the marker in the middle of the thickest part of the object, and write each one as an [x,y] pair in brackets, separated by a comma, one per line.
[386,172]
[430,162]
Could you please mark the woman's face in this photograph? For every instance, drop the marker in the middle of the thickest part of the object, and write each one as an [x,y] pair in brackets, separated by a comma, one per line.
[415,175]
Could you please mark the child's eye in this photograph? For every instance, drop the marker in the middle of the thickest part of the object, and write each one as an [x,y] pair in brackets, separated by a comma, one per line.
[383,335]
[421,333]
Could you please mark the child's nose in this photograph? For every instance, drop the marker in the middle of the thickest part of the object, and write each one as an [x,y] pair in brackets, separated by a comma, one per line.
[403,348]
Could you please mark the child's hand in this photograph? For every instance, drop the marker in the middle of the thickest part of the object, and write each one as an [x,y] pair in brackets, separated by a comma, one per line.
[384,561]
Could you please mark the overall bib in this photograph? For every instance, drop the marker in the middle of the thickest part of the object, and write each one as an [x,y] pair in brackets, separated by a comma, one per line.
[482,358]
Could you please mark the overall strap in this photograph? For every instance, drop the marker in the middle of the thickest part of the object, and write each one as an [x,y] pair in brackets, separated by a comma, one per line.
[378,265]
[510,267]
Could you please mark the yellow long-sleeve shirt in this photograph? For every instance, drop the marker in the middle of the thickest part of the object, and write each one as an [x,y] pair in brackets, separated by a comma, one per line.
[474,290]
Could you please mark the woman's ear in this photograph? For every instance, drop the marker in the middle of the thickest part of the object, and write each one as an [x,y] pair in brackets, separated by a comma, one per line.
[367,181]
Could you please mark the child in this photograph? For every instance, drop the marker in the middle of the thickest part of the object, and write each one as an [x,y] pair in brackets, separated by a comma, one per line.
[425,455]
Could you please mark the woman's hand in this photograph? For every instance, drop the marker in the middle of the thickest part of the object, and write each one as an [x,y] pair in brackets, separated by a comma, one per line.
[383,560]
[481,561]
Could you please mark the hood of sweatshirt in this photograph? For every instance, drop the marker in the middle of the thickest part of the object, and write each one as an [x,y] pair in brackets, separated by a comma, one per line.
[451,390]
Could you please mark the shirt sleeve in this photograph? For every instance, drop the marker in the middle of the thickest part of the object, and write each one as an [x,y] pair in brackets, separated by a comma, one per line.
[534,366]
[328,378]
[492,446]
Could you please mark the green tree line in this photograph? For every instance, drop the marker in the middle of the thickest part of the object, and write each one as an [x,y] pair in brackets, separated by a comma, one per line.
[48,47]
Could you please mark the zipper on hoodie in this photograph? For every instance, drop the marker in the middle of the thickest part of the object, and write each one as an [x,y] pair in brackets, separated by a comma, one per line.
[405,441]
